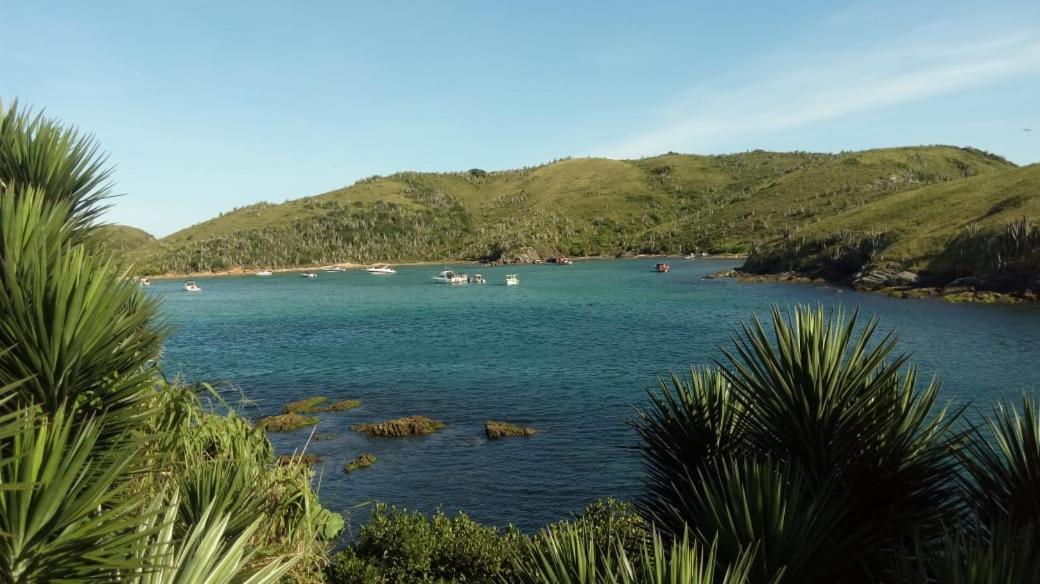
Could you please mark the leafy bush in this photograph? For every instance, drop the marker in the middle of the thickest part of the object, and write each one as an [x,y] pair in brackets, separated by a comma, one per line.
[407,547]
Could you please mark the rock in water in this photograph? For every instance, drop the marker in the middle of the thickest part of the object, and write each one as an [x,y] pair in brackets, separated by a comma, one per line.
[364,461]
[409,426]
[497,430]
[286,422]
[304,459]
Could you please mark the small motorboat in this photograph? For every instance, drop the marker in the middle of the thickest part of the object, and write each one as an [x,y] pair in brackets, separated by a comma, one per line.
[191,286]
[265,273]
[381,269]
[334,269]
[142,282]
[450,277]
[308,275]
[512,280]
[479,279]
[662,267]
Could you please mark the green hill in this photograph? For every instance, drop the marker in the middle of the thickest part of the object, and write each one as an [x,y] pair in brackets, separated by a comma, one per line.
[122,240]
[673,203]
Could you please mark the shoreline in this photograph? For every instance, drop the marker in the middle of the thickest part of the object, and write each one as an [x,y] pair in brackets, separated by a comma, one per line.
[349,266]
[954,295]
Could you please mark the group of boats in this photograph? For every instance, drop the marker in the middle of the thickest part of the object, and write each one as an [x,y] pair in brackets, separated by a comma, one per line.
[452,277]
[445,277]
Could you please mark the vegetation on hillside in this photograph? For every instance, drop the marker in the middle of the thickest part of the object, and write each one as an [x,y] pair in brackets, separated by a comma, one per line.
[666,204]
[121,240]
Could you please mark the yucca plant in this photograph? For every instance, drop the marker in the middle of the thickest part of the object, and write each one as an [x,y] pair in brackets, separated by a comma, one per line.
[63,164]
[1003,464]
[67,512]
[77,332]
[569,554]
[846,428]
[970,556]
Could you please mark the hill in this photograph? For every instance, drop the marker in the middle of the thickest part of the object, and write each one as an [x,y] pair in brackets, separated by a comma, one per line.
[122,240]
[983,227]
[674,203]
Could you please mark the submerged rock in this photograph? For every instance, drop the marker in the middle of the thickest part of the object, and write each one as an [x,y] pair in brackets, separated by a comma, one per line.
[286,422]
[304,406]
[723,274]
[314,405]
[409,426]
[322,436]
[364,461]
[497,430]
[305,459]
[338,406]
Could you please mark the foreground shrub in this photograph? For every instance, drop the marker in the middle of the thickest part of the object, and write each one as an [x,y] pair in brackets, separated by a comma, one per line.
[403,546]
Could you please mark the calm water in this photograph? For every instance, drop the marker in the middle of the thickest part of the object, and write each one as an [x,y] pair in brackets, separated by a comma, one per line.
[570,350]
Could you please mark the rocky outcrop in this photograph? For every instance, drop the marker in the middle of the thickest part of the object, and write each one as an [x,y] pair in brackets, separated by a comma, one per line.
[286,422]
[409,426]
[722,274]
[304,459]
[524,255]
[364,461]
[875,279]
[497,430]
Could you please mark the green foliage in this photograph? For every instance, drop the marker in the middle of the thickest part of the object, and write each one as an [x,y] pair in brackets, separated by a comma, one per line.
[1004,257]
[409,547]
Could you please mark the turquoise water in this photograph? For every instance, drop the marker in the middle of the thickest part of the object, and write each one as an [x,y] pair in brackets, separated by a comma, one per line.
[570,351]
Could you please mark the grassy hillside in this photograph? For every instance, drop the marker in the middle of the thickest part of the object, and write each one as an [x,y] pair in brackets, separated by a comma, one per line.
[983,226]
[122,240]
[666,204]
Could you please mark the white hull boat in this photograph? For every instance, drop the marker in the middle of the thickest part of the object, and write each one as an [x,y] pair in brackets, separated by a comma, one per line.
[512,280]
[450,277]
[381,270]
[191,286]
[265,273]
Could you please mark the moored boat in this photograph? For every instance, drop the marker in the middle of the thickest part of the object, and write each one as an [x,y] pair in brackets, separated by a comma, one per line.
[308,275]
[264,273]
[381,269]
[662,267]
[450,277]
[191,286]
[479,279]
[512,280]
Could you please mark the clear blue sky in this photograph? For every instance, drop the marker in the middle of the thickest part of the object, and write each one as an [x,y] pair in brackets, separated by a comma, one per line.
[209,105]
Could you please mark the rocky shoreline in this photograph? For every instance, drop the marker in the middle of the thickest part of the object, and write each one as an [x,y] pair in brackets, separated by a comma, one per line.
[900,284]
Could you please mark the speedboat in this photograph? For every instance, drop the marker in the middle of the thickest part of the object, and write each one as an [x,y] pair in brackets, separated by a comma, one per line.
[308,275]
[142,282]
[479,279]
[380,269]
[512,280]
[662,268]
[450,277]
[264,273]
[333,269]
[191,286]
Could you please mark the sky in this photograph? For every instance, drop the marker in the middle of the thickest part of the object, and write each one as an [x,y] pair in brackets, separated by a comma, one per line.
[205,106]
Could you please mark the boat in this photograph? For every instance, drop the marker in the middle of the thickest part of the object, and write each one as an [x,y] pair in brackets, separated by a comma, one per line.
[512,280]
[333,269]
[479,279]
[662,268]
[142,282]
[265,273]
[191,286]
[560,261]
[380,269]
[450,277]
[308,275]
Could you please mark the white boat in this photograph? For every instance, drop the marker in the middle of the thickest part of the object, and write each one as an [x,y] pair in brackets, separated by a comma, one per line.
[309,275]
[450,277]
[142,282]
[512,280]
[264,273]
[335,269]
[191,286]
[479,279]
[380,269]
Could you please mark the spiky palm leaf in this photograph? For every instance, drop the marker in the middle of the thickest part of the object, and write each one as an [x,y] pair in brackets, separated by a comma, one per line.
[690,423]
[66,511]
[822,394]
[1004,466]
[970,556]
[77,330]
[206,554]
[60,162]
